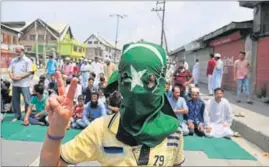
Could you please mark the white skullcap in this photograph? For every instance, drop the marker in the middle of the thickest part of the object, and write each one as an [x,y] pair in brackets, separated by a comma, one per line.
[107,59]
[20,47]
[197,90]
[217,55]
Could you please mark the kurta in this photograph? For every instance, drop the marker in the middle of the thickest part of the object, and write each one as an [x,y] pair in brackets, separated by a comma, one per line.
[85,74]
[108,70]
[196,73]
[217,75]
[216,115]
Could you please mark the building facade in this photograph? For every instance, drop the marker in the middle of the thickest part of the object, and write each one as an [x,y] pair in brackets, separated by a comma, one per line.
[40,38]
[250,36]
[101,48]
[9,40]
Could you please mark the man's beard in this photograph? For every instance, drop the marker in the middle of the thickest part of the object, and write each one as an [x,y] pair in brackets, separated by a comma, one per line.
[94,104]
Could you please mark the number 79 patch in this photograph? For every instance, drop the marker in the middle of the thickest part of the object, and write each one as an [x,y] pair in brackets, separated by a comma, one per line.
[159,160]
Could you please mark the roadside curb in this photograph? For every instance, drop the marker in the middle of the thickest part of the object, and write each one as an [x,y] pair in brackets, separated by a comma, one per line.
[252,135]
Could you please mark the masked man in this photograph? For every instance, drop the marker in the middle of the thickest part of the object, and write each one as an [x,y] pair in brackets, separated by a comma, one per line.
[144,132]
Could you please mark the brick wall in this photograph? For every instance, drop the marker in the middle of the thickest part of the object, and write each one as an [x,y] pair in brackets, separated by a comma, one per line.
[262,67]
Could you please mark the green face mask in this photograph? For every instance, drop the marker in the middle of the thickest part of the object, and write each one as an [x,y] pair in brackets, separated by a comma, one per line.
[145,115]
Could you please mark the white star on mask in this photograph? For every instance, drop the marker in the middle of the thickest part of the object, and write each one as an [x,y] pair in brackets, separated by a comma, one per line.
[136,77]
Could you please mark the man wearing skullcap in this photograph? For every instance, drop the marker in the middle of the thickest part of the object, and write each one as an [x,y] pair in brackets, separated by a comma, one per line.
[196,111]
[68,68]
[145,131]
[109,68]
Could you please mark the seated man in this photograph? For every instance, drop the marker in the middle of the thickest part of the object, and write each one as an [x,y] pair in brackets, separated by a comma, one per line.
[218,116]
[114,102]
[195,115]
[180,108]
[93,110]
[77,112]
[38,100]
[89,89]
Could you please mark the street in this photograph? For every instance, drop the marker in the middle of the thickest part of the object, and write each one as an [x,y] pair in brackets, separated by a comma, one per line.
[22,153]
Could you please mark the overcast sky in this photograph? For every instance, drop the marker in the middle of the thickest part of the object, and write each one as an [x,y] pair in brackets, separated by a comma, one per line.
[184,21]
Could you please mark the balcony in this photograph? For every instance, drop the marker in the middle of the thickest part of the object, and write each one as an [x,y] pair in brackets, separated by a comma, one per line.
[249,4]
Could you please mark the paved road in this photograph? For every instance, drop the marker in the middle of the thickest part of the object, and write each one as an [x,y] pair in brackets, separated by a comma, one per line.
[20,153]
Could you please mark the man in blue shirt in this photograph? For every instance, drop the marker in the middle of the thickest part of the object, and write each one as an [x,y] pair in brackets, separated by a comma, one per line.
[51,66]
[195,115]
[93,110]
[180,108]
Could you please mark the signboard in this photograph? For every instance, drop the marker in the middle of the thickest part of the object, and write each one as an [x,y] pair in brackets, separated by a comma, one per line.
[233,37]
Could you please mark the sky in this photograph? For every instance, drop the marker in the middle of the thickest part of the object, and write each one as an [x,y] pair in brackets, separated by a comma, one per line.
[185,21]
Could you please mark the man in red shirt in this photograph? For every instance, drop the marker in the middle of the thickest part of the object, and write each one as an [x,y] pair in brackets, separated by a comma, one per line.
[182,78]
[210,68]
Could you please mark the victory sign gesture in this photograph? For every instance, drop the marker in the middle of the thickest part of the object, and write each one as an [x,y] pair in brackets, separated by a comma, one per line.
[59,107]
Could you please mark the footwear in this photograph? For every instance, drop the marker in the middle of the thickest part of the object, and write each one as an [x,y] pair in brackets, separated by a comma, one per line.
[14,120]
[250,102]
[238,101]
[236,134]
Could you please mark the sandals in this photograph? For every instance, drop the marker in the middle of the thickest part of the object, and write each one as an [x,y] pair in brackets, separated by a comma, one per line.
[250,102]
[236,134]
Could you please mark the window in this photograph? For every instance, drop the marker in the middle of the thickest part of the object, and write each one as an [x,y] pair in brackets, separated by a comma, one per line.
[32,37]
[95,42]
[15,40]
[89,42]
[80,49]
[48,37]
[75,48]
[28,48]
[40,37]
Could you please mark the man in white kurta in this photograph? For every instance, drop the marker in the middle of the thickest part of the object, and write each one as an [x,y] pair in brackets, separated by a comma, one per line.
[97,67]
[85,70]
[218,116]
[196,72]
[218,72]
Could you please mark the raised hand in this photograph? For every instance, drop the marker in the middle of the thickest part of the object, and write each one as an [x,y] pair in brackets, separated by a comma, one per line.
[60,107]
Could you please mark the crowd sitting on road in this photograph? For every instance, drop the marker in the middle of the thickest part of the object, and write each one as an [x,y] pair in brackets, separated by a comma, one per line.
[212,119]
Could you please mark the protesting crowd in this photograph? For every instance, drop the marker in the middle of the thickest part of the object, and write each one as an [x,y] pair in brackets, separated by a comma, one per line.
[154,96]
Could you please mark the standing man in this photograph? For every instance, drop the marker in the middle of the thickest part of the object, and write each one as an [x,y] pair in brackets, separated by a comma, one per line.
[145,131]
[68,68]
[85,73]
[210,68]
[109,68]
[241,70]
[51,67]
[97,67]
[218,72]
[196,72]
[20,70]
[182,78]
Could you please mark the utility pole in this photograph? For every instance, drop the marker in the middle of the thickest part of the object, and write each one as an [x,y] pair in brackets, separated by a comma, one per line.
[36,44]
[163,15]
[117,31]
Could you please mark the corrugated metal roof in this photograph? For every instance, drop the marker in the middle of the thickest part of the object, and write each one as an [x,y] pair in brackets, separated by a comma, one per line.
[105,41]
